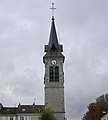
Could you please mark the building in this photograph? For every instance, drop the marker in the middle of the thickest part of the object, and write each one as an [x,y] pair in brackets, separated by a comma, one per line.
[105,116]
[54,85]
[22,112]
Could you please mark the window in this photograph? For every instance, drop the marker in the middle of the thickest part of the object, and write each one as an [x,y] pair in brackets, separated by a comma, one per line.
[11,118]
[21,118]
[23,109]
[54,73]
[51,73]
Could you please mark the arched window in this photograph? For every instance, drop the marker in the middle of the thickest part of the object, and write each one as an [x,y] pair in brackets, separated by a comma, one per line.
[54,73]
[51,73]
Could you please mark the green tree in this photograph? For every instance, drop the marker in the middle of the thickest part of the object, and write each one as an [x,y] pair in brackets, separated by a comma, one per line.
[47,114]
[95,109]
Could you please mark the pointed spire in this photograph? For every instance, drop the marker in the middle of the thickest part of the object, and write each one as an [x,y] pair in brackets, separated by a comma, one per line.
[53,49]
[53,40]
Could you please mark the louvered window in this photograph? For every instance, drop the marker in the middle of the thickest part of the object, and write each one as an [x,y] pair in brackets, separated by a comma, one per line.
[51,73]
[54,73]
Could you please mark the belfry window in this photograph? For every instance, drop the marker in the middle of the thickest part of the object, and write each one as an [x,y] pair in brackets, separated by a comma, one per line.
[54,73]
[51,74]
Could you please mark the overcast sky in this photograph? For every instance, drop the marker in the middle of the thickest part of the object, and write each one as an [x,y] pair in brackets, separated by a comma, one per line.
[82,27]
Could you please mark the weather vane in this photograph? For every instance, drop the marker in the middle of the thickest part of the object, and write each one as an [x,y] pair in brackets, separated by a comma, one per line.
[53,8]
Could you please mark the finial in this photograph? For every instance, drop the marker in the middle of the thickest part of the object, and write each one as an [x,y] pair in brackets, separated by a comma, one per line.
[53,8]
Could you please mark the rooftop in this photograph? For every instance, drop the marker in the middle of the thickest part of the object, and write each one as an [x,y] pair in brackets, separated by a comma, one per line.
[22,109]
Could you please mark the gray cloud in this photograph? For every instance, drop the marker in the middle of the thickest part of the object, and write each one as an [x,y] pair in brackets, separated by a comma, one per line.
[82,28]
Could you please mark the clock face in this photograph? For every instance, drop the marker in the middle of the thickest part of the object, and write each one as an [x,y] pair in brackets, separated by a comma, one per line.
[54,62]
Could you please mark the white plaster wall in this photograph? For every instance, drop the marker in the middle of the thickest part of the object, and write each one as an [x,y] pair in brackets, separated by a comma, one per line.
[7,117]
[4,118]
[32,116]
[29,116]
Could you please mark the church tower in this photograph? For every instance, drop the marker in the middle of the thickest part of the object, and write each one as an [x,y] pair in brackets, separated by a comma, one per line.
[54,74]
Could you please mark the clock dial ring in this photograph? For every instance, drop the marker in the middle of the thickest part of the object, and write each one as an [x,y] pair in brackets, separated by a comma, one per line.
[54,62]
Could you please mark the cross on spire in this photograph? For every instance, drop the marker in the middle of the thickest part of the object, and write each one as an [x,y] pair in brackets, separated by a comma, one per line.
[53,8]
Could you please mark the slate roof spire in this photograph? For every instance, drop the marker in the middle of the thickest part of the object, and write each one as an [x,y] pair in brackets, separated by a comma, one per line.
[53,40]
[53,49]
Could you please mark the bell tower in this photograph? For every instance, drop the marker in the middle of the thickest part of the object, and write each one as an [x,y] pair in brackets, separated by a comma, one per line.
[54,74]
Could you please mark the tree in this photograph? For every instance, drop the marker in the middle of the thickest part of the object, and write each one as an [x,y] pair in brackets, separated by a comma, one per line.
[47,114]
[95,109]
